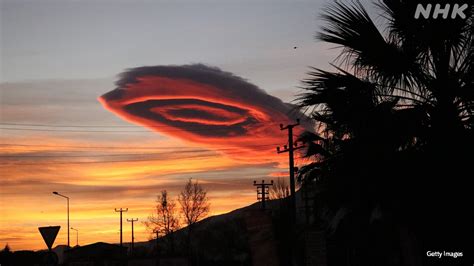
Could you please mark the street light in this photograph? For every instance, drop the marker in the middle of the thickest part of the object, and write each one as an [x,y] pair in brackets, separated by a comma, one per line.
[56,193]
[77,236]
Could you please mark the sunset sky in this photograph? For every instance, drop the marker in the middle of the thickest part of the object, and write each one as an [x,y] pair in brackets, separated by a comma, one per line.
[59,133]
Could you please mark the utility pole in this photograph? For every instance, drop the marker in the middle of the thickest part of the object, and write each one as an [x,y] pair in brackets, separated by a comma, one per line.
[262,191]
[121,210]
[133,235]
[290,149]
[77,236]
[66,197]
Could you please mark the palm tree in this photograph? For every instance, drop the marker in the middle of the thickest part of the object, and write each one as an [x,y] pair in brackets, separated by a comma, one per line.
[395,132]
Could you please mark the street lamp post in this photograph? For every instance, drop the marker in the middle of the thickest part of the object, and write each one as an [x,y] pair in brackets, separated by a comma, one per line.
[77,236]
[56,193]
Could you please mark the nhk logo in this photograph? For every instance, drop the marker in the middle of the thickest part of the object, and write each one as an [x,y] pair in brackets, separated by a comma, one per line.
[428,11]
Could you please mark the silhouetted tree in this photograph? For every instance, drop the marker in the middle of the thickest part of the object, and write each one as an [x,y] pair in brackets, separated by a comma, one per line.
[194,202]
[6,249]
[5,256]
[280,189]
[395,133]
[165,219]
[194,206]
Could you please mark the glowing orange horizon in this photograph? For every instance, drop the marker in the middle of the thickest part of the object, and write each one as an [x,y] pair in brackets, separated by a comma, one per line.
[95,189]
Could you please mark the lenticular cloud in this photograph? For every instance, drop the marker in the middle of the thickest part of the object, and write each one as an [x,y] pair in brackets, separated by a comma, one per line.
[200,104]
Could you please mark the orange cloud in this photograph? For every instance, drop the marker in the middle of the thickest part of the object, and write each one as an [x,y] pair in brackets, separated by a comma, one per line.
[202,105]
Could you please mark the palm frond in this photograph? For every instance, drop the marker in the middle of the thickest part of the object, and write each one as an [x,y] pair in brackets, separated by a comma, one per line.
[365,48]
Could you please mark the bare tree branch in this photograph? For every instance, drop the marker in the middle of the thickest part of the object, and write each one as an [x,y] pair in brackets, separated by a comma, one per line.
[164,220]
[194,202]
[280,189]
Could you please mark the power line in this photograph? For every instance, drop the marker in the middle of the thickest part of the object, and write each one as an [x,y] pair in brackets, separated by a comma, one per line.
[263,191]
[97,155]
[15,163]
[78,131]
[173,129]
[79,126]
[100,162]
[88,147]
[111,155]
[64,128]
[121,211]
[290,149]
[123,147]
[99,126]
[133,234]
[292,146]
[224,150]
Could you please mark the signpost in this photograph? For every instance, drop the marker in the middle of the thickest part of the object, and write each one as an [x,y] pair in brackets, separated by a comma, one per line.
[49,234]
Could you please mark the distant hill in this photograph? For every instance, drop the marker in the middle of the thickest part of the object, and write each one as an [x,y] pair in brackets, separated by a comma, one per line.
[230,238]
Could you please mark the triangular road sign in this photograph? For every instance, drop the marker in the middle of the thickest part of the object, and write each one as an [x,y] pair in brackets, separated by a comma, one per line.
[49,234]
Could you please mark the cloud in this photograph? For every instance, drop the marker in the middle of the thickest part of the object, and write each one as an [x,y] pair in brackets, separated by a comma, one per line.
[203,105]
